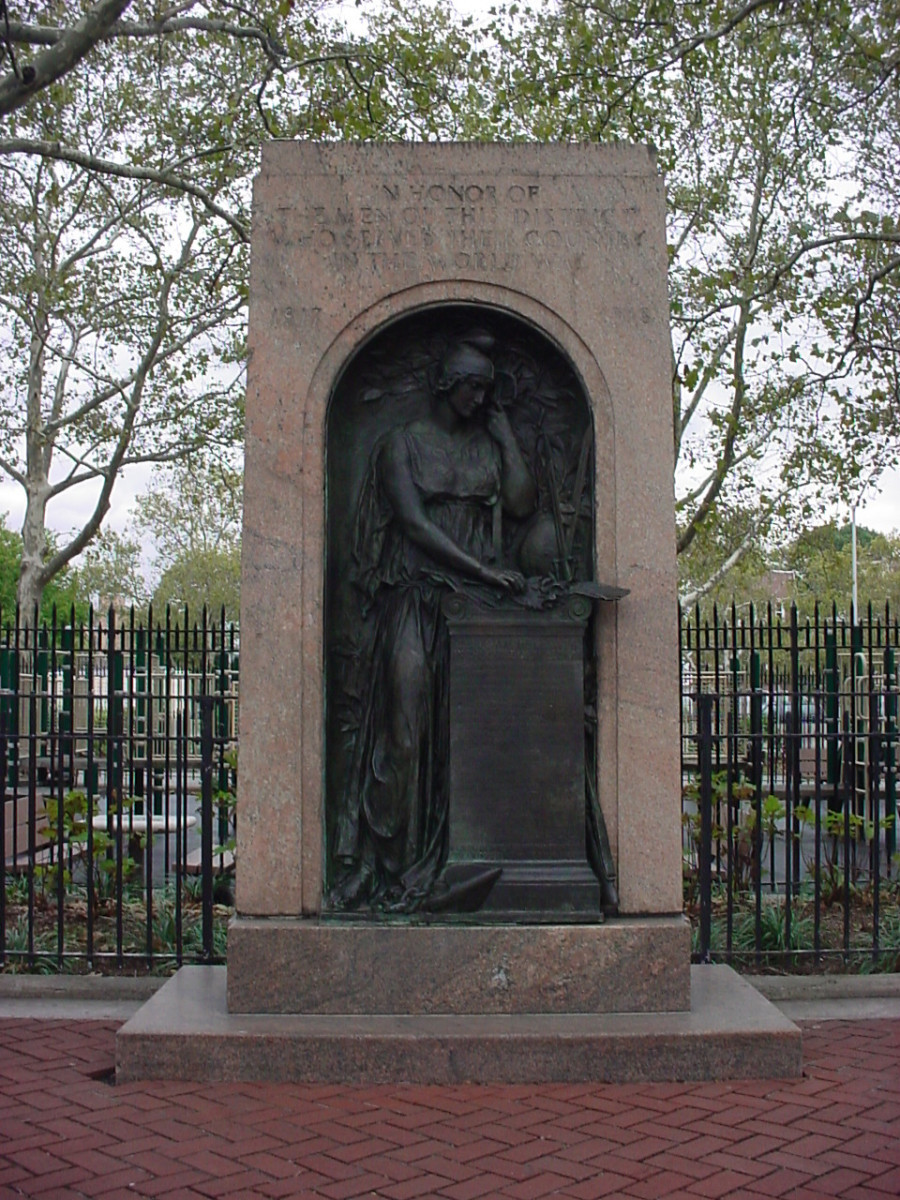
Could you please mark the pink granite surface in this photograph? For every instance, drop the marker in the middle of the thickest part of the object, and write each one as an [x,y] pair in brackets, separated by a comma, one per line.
[339,967]
[730,1032]
[348,238]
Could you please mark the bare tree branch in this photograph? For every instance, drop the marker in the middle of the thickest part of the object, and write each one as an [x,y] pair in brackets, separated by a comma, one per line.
[120,386]
[687,599]
[18,86]
[74,547]
[102,166]
[51,35]
[8,467]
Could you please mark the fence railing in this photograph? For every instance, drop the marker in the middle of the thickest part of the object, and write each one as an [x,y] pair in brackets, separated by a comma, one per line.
[118,772]
[117,775]
[790,764]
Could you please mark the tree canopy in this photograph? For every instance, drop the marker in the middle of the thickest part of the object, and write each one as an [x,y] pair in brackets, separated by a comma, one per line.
[776,125]
[111,572]
[131,137]
[62,594]
[125,174]
[812,568]
[191,514]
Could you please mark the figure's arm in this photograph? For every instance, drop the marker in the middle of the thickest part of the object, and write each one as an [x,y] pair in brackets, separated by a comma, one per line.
[409,512]
[517,490]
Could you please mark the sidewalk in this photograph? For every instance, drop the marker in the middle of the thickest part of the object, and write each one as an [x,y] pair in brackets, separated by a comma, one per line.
[66,1132]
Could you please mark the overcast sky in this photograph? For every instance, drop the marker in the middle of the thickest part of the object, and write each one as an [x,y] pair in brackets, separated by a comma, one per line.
[879,510]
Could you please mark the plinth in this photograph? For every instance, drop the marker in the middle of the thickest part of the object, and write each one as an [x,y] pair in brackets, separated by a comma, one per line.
[517,756]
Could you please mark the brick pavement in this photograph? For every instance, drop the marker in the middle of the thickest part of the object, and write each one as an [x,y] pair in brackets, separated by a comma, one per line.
[66,1132]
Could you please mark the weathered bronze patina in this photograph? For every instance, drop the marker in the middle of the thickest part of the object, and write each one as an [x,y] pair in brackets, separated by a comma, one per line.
[460,669]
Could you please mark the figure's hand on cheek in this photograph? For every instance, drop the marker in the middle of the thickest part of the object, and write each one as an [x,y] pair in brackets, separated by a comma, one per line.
[497,423]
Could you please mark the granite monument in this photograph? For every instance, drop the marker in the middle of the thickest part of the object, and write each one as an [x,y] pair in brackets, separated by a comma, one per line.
[459,846]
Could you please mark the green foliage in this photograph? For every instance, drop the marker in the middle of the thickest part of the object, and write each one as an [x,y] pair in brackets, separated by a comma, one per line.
[783,263]
[33,947]
[836,827]
[821,562]
[194,505]
[68,825]
[777,944]
[746,851]
[192,515]
[62,594]
[110,572]
[811,568]
[773,933]
[17,950]
[795,950]
[165,932]
[210,578]
[841,881]
[10,557]
[706,569]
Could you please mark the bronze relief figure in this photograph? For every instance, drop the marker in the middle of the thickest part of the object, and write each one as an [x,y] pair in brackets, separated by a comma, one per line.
[458,464]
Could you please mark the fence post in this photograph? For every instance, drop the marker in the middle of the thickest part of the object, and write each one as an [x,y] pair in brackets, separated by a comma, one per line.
[792,792]
[832,687]
[732,811]
[206,820]
[890,742]
[875,754]
[32,816]
[3,826]
[704,759]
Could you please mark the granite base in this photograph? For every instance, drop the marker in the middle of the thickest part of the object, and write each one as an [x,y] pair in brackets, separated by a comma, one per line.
[283,965]
[186,1032]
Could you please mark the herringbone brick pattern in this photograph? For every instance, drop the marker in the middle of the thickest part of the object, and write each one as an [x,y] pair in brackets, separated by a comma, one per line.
[65,1132]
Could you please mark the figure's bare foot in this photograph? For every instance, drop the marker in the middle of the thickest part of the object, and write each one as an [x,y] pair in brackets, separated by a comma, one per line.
[353,889]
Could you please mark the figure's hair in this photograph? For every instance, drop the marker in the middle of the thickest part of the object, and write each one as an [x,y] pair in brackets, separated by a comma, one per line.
[464,359]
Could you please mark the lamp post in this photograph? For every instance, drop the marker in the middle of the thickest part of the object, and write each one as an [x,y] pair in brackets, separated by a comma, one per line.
[854,564]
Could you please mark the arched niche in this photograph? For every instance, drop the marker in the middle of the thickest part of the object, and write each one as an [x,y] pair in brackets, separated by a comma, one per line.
[387,388]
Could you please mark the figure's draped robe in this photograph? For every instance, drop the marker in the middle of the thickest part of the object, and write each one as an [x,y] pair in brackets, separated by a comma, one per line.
[394,816]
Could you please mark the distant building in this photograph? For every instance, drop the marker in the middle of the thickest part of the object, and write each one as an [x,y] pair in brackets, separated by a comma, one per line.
[778,585]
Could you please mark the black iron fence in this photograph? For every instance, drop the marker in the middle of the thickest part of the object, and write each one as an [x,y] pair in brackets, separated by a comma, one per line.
[790,762]
[118,772]
[117,777]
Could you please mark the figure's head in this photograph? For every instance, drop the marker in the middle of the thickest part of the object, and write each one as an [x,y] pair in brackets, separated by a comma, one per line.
[465,375]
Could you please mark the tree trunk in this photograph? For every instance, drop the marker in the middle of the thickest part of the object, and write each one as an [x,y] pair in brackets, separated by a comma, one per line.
[32,573]
[38,452]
